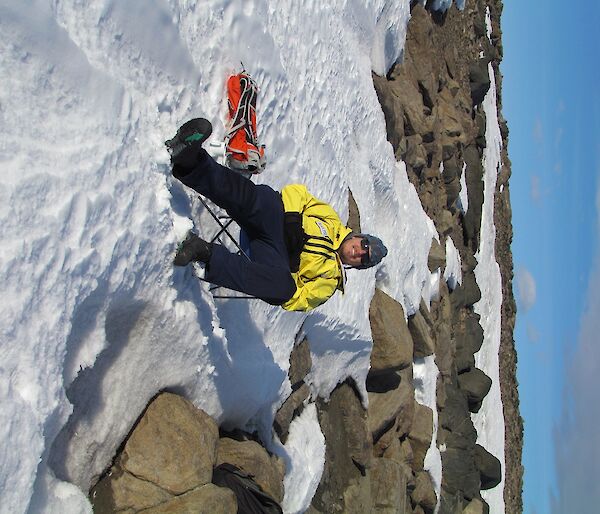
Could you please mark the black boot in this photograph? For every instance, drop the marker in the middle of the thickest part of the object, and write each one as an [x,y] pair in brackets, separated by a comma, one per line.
[193,248]
[186,144]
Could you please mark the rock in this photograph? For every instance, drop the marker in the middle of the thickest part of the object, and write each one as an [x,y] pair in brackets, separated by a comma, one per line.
[291,408]
[300,363]
[460,473]
[469,338]
[388,487]
[479,80]
[424,493]
[467,293]
[420,331]
[476,384]
[172,446]
[437,256]
[490,468]
[416,156]
[120,491]
[451,503]
[474,181]
[387,406]
[353,214]
[420,434]
[392,342]
[208,499]
[253,459]
[456,419]
[348,455]
[476,506]
[445,222]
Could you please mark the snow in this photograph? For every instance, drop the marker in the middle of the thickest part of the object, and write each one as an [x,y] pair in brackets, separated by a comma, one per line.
[443,5]
[489,421]
[95,320]
[425,374]
[453,270]
[463,198]
[305,449]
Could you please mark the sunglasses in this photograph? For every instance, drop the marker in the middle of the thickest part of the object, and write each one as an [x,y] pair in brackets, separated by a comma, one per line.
[364,244]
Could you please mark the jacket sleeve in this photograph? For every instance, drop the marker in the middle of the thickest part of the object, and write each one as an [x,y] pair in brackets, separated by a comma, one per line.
[311,294]
[296,198]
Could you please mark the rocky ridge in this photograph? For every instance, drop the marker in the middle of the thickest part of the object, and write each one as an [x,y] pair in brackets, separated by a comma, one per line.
[375,456]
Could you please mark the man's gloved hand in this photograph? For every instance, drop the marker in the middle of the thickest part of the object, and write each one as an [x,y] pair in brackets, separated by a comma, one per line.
[294,237]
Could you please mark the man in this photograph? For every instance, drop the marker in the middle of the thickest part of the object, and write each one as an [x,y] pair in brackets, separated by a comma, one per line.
[298,245]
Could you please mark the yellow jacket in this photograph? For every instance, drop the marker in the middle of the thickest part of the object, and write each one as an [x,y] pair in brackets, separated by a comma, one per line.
[321,272]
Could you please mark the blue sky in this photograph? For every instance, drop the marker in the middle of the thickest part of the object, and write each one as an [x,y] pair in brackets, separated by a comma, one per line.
[551,102]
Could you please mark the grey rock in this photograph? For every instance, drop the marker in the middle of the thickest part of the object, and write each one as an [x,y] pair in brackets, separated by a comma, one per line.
[267,470]
[456,419]
[467,293]
[460,473]
[476,384]
[490,468]
[392,342]
[479,80]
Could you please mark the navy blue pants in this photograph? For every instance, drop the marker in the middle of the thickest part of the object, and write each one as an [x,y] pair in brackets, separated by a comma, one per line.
[258,210]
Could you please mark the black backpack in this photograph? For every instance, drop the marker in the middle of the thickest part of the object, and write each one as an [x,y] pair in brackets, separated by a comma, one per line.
[251,498]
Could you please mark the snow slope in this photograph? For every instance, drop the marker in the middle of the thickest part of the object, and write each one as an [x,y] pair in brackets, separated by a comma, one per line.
[95,320]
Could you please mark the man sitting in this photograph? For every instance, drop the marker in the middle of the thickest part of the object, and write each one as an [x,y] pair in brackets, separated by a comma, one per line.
[298,244]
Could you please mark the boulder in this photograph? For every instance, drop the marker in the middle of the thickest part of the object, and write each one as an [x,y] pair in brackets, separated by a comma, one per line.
[476,384]
[467,293]
[460,475]
[490,468]
[456,419]
[121,491]
[348,452]
[392,342]
[172,446]
[469,338]
[291,408]
[353,214]
[208,499]
[424,493]
[420,434]
[420,331]
[476,506]
[479,80]
[386,406]
[300,363]
[249,456]
[388,488]
[437,256]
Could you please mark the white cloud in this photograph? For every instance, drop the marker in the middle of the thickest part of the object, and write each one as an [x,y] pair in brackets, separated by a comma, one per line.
[526,289]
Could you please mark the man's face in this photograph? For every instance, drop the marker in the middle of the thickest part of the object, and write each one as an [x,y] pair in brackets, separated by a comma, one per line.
[352,251]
